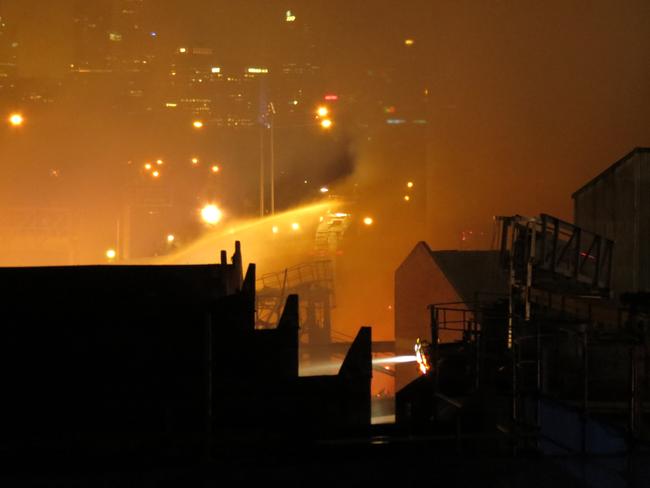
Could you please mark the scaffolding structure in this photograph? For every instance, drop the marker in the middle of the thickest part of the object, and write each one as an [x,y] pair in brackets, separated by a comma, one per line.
[313,282]
[575,351]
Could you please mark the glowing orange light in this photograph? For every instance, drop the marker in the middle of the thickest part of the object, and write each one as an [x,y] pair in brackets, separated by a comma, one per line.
[275,229]
[409,42]
[171,238]
[421,355]
[147,166]
[195,160]
[322,111]
[368,221]
[211,214]
[16,119]
[324,189]
[159,162]
[215,168]
[111,254]
[407,198]
[295,226]
[197,124]
[155,174]
[326,123]
[409,184]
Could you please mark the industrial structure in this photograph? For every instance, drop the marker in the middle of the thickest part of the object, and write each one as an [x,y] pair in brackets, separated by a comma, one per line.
[558,364]
[616,204]
[160,362]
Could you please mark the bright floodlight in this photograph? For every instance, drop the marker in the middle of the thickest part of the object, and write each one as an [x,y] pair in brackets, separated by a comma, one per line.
[16,119]
[159,162]
[211,214]
[111,254]
[171,238]
[195,160]
[215,168]
[368,221]
[275,229]
[409,184]
[295,226]
[326,123]
[407,198]
[324,189]
[322,111]
[155,174]
[147,166]
[197,124]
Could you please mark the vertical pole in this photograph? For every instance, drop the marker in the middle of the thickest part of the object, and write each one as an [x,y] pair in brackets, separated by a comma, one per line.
[272,162]
[532,226]
[262,170]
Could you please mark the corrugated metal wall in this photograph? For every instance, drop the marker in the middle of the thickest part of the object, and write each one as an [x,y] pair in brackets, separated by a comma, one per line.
[617,205]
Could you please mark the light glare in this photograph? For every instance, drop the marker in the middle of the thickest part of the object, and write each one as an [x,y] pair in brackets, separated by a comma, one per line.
[16,119]
[211,214]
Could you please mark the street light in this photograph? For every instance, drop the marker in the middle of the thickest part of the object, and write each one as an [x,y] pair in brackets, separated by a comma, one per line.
[16,119]
[211,214]
[269,123]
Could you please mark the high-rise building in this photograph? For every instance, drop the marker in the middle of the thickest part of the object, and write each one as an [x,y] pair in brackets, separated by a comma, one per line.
[92,38]
[8,51]
[133,40]
[112,35]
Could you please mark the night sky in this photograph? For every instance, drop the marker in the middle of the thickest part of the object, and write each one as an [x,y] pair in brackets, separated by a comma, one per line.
[532,98]
[525,102]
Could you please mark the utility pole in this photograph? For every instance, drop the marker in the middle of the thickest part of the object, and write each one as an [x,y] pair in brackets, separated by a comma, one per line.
[271,114]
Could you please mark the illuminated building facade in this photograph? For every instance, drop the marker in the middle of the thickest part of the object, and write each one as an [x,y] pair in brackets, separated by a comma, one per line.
[91,44]
[8,52]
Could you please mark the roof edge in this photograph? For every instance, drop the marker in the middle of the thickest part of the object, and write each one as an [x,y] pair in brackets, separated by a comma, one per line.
[610,169]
